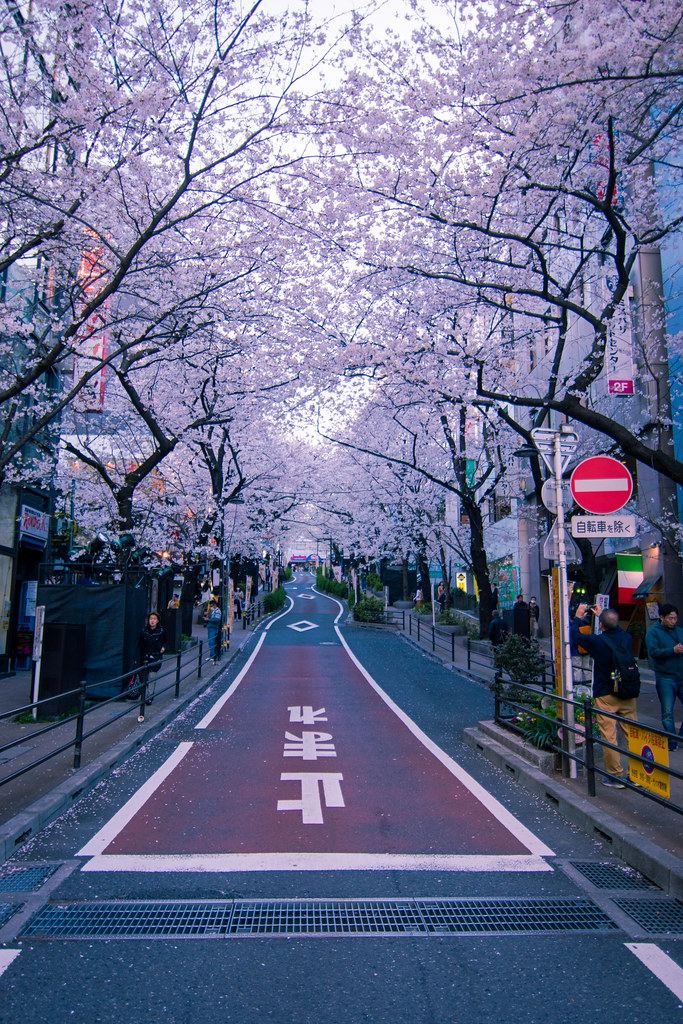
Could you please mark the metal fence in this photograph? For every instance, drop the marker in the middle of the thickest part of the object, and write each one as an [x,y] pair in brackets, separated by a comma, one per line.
[173,672]
[512,696]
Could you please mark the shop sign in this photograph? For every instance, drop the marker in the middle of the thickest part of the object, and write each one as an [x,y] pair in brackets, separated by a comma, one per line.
[34,523]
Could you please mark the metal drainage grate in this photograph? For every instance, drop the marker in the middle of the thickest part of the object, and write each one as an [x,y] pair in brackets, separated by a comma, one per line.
[25,879]
[6,911]
[664,915]
[612,876]
[318,917]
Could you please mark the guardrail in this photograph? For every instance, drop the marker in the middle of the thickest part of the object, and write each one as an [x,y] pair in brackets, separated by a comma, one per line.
[177,669]
[478,653]
[505,695]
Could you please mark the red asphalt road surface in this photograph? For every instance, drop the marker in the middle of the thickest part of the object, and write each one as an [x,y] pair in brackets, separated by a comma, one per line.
[350,778]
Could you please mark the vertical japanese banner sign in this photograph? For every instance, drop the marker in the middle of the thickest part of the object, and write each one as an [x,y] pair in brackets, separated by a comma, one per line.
[231,604]
[619,346]
[629,576]
[276,578]
[555,623]
[247,592]
[91,343]
[337,573]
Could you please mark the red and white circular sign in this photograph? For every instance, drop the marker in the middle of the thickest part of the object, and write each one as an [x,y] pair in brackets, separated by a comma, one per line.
[601,485]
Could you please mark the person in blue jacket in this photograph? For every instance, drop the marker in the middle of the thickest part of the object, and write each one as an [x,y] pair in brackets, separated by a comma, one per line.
[665,647]
[604,697]
[213,627]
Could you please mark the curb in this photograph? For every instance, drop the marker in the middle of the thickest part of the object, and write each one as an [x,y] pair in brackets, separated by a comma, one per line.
[657,864]
[27,823]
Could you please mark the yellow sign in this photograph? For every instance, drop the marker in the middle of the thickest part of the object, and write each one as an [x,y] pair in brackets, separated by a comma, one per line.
[555,624]
[461,581]
[656,752]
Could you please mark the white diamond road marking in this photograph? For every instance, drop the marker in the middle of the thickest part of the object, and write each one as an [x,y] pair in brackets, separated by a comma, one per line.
[307,597]
[301,627]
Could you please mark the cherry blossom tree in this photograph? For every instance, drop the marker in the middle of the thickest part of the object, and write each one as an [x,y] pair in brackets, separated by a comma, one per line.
[140,146]
[522,178]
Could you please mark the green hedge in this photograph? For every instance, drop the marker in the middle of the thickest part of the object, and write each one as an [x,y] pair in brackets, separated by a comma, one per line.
[374,581]
[274,600]
[330,586]
[369,609]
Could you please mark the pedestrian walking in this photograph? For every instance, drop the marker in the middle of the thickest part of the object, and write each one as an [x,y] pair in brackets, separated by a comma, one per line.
[238,598]
[441,597]
[609,648]
[151,647]
[213,625]
[174,603]
[419,599]
[534,616]
[665,646]
[520,617]
[498,629]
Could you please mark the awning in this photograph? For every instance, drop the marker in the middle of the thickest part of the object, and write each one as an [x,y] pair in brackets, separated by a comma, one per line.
[647,586]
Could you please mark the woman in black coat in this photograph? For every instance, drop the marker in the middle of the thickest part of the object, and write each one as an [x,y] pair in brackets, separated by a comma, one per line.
[151,646]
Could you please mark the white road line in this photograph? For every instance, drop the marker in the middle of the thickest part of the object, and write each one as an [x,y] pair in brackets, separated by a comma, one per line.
[277,617]
[661,965]
[213,711]
[101,840]
[7,956]
[512,824]
[204,863]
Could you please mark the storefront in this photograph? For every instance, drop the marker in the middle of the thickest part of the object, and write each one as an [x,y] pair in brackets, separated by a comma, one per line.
[24,531]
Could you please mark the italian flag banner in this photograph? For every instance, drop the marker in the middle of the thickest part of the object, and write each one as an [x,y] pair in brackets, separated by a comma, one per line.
[629,576]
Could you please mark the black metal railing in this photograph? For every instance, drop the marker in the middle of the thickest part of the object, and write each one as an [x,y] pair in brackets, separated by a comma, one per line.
[252,613]
[507,695]
[175,670]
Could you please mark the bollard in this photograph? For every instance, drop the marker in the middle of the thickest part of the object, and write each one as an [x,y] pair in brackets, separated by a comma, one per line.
[469,653]
[78,742]
[433,640]
[176,693]
[200,655]
[590,746]
[452,646]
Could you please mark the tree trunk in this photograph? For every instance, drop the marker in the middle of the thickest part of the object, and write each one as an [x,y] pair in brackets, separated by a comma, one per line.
[405,579]
[423,576]
[480,565]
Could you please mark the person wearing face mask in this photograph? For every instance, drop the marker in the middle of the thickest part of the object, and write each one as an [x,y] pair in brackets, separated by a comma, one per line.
[665,646]
[534,615]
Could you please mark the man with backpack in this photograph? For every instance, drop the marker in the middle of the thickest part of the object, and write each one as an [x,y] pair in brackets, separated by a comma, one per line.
[616,681]
[665,646]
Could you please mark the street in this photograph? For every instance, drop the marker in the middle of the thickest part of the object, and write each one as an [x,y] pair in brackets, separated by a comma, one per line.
[311,841]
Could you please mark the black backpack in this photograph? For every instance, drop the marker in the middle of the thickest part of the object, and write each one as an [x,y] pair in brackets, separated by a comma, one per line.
[625,674]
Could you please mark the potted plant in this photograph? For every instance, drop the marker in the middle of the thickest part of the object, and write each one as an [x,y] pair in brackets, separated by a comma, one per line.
[637,630]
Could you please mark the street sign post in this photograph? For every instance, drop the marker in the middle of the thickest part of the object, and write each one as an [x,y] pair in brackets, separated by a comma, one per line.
[599,527]
[544,439]
[601,485]
[549,497]
[551,545]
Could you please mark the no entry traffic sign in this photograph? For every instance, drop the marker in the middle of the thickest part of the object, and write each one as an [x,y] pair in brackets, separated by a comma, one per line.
[601,485]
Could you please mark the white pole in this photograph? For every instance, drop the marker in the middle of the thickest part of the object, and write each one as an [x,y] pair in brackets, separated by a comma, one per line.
[37,657]
[567,673]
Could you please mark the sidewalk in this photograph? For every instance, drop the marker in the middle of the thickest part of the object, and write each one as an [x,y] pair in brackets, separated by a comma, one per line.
[640,831]
[41,794]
